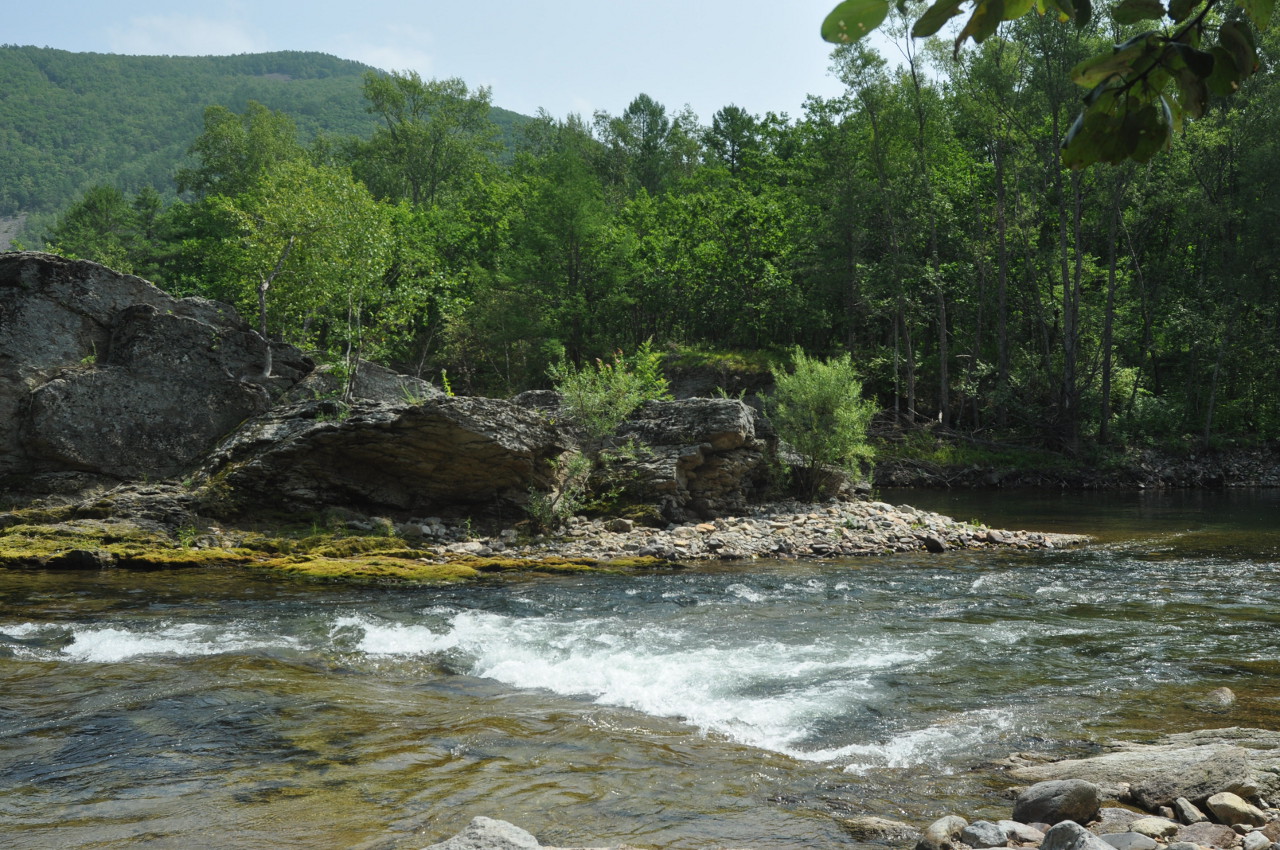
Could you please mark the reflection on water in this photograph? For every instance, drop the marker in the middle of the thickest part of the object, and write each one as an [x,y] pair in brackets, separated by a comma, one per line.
[733,705]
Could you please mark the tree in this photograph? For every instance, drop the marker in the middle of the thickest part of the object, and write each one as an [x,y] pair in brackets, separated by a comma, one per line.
[818,408]
[237,149]
[434,134]
[1139,91]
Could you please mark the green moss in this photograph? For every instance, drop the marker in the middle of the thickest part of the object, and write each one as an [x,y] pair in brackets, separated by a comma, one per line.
[369,569]
[756,362]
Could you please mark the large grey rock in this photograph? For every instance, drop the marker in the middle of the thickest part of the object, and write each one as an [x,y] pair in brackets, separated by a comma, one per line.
[1058,800]
[489,834]
[1232,809]
[1158,828]
[982,834]
[1129,841]
[1178,766]
[1187,811]
[942,834]
[875,829]
[103,373]
[1069,835]
[1207,835]
[442,452]
[1021,833]
[1255,841]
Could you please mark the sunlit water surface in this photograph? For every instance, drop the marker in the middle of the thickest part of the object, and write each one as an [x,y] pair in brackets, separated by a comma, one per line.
[738,705]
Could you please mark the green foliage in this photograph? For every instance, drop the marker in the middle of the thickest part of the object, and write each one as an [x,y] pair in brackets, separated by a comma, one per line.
[550,509]
[1140,91]
[599,396]
[818,408]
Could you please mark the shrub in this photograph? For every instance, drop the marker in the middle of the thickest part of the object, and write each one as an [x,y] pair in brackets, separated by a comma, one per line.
[599,397]
[818,408]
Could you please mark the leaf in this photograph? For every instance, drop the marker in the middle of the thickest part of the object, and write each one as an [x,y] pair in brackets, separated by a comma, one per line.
[935,18]
[1131,11]
[1225,79]
[1118,63]
[1238,40]
[1014,9]
[1198,62]
[1084,13]
[1193,93]
[1180,10]
[853,19]
[986,17]
[1259,11]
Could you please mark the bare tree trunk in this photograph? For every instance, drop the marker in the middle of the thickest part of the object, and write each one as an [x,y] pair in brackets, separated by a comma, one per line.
[264,284]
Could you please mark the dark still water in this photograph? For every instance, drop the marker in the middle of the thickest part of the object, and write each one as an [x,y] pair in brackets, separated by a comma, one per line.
[735,705]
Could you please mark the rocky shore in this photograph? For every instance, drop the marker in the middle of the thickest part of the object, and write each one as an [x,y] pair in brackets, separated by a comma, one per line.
[1205,790]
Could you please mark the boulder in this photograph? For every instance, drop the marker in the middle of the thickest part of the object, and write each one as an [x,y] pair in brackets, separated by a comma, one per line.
[1232,809]
[1207,835]
[869,828]
[1129,841]
[1161,773]
[982,834]
[1157,828]
[1021,833]
[942,834]
[103,373]
[1058,800]
[489,834]
[1255,841]
[1069,835]
[1187,812]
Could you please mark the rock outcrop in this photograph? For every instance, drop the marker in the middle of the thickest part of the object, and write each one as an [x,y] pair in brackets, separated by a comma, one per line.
[103,373]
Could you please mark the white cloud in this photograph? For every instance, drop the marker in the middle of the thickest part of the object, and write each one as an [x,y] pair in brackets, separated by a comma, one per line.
[177,35]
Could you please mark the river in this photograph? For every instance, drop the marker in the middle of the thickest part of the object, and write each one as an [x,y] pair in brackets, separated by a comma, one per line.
[736,705]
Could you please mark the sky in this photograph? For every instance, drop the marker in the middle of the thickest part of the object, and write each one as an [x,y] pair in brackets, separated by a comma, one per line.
[565,56]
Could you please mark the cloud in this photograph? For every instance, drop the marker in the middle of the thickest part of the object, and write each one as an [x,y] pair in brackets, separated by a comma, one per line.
[177,35]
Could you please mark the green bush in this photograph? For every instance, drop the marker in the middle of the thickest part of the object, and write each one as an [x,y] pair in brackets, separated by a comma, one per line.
[818,408]
[599,397]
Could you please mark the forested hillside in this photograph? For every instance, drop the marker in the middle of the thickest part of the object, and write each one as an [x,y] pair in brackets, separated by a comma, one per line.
[69,121]
[923,222]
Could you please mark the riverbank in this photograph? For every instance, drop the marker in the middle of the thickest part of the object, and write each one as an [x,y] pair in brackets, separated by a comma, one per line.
[159,526]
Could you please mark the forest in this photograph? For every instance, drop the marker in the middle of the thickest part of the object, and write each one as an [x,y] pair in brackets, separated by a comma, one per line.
[923,223]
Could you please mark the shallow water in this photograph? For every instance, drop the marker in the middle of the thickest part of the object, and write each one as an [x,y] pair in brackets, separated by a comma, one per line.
[735,705]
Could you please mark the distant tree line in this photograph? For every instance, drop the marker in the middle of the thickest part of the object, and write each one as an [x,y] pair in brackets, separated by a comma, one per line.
[921,223]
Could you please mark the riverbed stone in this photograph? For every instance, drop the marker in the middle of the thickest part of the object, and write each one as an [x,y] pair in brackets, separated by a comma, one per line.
[1058,800]
[1114,819]
[1231,808]
[1208,835]
[1021,833]
[1129,841]
[1255,841]
[982,834]
[1069,835]
[876,829]
[1187,812]
[942,834]
[1158,828]
[489,834]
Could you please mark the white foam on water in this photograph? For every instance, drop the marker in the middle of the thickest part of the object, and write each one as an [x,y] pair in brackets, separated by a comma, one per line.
[112,645]
[935,744]
[762,693]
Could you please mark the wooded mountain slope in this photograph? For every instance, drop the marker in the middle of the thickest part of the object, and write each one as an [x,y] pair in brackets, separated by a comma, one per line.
[69,121]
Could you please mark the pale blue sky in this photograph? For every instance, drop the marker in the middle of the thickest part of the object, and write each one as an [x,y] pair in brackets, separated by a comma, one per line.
[568,56]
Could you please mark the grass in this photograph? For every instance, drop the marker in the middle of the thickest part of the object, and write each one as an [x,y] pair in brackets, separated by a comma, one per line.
[754,362]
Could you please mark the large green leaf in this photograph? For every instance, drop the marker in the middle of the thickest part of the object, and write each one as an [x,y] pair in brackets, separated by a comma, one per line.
[936,17]
[1237,38]
[1131,11]
[1118,63]
[853,19]
[1225,78]
[1259,11]
[1180,10]
[982,24]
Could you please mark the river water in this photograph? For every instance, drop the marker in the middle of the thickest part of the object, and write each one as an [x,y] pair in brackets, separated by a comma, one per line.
[729,705]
